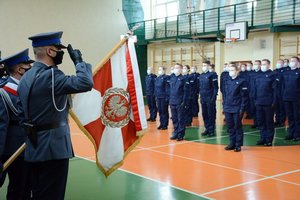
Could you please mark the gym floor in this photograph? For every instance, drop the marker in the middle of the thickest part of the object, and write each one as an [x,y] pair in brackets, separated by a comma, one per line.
[196,168]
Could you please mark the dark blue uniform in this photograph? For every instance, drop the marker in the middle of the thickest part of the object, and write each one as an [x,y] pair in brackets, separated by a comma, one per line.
[150,85]
[179,95]
[251,88]
[234,104]
[223,78]
[162,87]
[246,76]
[188,104]
[291,98]
[280,116]
[208,90]
[194,85]
[265,99]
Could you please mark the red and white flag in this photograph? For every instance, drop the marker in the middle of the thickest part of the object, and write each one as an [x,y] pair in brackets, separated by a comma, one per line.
[112,115]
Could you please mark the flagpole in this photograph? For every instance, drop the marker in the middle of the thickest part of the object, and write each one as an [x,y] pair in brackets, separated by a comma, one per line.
[14,156]
[109,55]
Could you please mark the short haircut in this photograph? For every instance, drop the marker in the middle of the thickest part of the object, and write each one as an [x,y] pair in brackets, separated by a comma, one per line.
[212,66]
[267,60]
[206,62]
[234,65]
[258,61]
[187,66]
[296,58]
[280,60]
[179,65]
[163,67]
[286,60]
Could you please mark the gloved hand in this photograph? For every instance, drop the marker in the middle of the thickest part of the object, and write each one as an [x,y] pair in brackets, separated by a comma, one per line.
[75,55]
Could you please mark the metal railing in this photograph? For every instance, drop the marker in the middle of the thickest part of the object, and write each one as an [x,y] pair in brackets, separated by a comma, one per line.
[259,14]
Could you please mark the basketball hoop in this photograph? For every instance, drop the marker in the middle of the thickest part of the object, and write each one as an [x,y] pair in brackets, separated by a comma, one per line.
[229,42]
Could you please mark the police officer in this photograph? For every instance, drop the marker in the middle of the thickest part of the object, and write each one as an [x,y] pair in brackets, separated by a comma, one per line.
[150,85]
[224,76]
[279,107]
[265,101]
[179,93]
[11,133]
[208,90]
[286,64]
[194,90]
[234,105]
[43,92]
[188,113]
[246,69]
[211,69]
[162,87]
[291,98]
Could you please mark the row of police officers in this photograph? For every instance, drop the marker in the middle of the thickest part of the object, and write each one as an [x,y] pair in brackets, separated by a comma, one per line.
[34,104]
[249,88]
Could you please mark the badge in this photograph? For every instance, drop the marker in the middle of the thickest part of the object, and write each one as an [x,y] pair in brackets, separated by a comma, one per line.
[115,108]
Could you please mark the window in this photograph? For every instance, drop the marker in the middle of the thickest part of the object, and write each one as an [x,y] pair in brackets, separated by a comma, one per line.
[165,8]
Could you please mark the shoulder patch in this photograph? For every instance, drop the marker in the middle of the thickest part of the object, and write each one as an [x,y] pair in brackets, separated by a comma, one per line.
[11,88]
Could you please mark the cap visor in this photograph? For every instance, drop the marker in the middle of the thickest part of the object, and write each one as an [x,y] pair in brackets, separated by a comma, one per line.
[60,46]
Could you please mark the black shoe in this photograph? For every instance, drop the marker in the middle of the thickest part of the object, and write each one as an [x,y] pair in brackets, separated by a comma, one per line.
[179,139]
[296,139]
[237,149]
[153,120]
[260,142]
[205,133]
[164,128]
[211,134]
[188,125]
[149,119]
[159,128]
[229,147]
[253,126]
[173,137]
[288,137]
[268,144]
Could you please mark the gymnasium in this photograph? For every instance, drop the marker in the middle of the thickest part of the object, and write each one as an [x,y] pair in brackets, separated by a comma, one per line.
[176,34]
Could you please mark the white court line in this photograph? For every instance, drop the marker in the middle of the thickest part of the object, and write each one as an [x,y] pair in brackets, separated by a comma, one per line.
[154,180]
[249,182]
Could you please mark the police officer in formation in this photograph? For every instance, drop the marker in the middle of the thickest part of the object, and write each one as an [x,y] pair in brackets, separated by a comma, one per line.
[194,85]
[291,98]
[150,96]
[223,78]
[234,104]
[280,116]
[179,95]
[12,133]
[265,86]
[188,107]
[208,90]
[44,95]
[162,93]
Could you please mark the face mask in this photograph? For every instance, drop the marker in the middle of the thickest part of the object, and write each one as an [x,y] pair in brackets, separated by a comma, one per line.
[243,69]
[184,71]
[226,69]
[292,65]
[285,65]
[176,72]
[204,69]
[148,72]
[248,68]
[255,67]
[193,70]
[210,70]
[278,66]
[172,71]
[232,74]
[160,72]
[59,57]
[264,68]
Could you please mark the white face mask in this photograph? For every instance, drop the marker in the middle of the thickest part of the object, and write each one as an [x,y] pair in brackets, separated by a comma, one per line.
[148,71]
[184,71]
[264,68]
[243,69]
[255,67]
[292,65]
[285,65]
[249,68]
[172,71]
[193,70]
[278,66]
[160,72]
[232,74]
[177,72]
[210,70]
[204,69]
[226,69]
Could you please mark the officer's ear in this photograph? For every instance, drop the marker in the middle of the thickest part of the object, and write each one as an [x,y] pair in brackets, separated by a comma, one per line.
[50,52]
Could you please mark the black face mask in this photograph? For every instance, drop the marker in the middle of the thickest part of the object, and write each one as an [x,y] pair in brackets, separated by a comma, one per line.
[59,57]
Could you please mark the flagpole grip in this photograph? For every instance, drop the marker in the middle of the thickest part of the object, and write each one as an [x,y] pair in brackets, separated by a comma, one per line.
[14,156]
[109,55]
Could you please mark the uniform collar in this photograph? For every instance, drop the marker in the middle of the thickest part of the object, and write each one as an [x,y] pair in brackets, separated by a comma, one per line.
[14,80]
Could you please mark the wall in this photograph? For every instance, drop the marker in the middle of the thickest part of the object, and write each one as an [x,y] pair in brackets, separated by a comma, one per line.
[92,26]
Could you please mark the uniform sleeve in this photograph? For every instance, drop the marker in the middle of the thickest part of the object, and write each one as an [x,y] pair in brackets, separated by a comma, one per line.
[4,121]
[187,90]
[245,96]
[215,85]
[275,84]
[81,82]
[168,87]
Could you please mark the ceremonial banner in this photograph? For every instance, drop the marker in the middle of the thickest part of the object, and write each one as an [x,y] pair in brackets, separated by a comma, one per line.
[112,115]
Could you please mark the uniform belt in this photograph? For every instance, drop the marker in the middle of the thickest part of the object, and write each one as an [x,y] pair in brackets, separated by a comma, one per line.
[50,126]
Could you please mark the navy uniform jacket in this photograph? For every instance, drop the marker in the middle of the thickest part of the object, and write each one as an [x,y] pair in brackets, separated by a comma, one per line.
[54,143]
[251,86]
[208,86]
[3,81]
[236,98]
[179,90]
[291,85]
[12,135]
[150,84]
[224,76]
[265,88]
[279,78]
[162,84]
[194,84]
